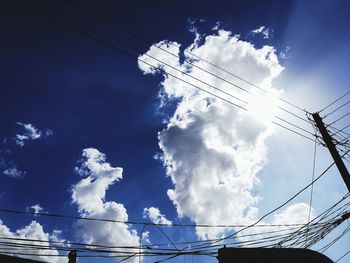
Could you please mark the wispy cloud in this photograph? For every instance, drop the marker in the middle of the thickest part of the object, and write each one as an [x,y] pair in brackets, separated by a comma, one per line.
[14,172]
[7,165]
[264,31]
[30,133]
[285,54]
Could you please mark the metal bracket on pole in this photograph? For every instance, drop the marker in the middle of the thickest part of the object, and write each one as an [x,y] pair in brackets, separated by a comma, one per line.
[332,149]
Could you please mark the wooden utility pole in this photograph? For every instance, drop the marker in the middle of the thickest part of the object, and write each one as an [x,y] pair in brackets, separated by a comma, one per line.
[332,149]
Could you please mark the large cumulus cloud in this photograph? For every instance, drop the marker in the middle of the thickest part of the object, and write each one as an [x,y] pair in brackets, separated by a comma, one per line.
[211,149]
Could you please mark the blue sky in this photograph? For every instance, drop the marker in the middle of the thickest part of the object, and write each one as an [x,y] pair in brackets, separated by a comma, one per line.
[73,109]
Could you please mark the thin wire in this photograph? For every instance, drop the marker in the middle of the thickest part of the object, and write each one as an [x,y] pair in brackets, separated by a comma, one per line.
[174,256]
[338,119]
[183,72]
[214,241]
[312,186]
[69,244]
[342,257]
[338,108]
[328,226]
[126,258]
[325,248]
[132,56]
[164,50]
[135,222]
[139,50]
[336,129]
[278,124]
[342,129]
[335,101]
[296,126]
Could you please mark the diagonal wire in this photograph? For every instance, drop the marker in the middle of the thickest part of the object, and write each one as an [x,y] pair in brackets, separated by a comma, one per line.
[342,129]
[341,106]
[187,51]
[335,101]
[312,186]
[338,118]
[132,56]
[214,241]
[185,73]
[342,257]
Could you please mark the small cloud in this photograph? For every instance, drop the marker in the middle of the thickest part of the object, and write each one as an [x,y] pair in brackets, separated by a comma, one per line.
[192,22]
[8,167]
[145,237]
[258,30]
[264,31]
[14,172]
[48,132]
[217,27]
[36,208]
[285,53]
[155,216]
[30,133]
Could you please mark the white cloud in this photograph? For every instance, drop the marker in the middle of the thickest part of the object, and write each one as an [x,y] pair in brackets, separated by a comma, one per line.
[285,54]
[30,133]
[264,31]
[145,237]
[89,194]
[33,231]
[155,216]
[213,151]
[14,172]
[294,214]
[297,213]
[36,208]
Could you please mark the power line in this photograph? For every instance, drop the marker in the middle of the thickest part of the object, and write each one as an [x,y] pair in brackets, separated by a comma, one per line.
[191,53]
[338,108]
[342,257]
[312,186]
[135,222]
[298,133]
[325,248]
[139,50]
[339,119]
[338,130]
[142,61]
[127,44]
[342,129]
[336,100]
[214,241]
[319,231]
[194,65]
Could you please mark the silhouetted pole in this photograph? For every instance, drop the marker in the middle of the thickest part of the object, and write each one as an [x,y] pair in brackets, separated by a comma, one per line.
[72,256]
[332,149]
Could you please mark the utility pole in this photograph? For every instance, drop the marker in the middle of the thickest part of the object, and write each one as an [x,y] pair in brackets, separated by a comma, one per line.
[332,149]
